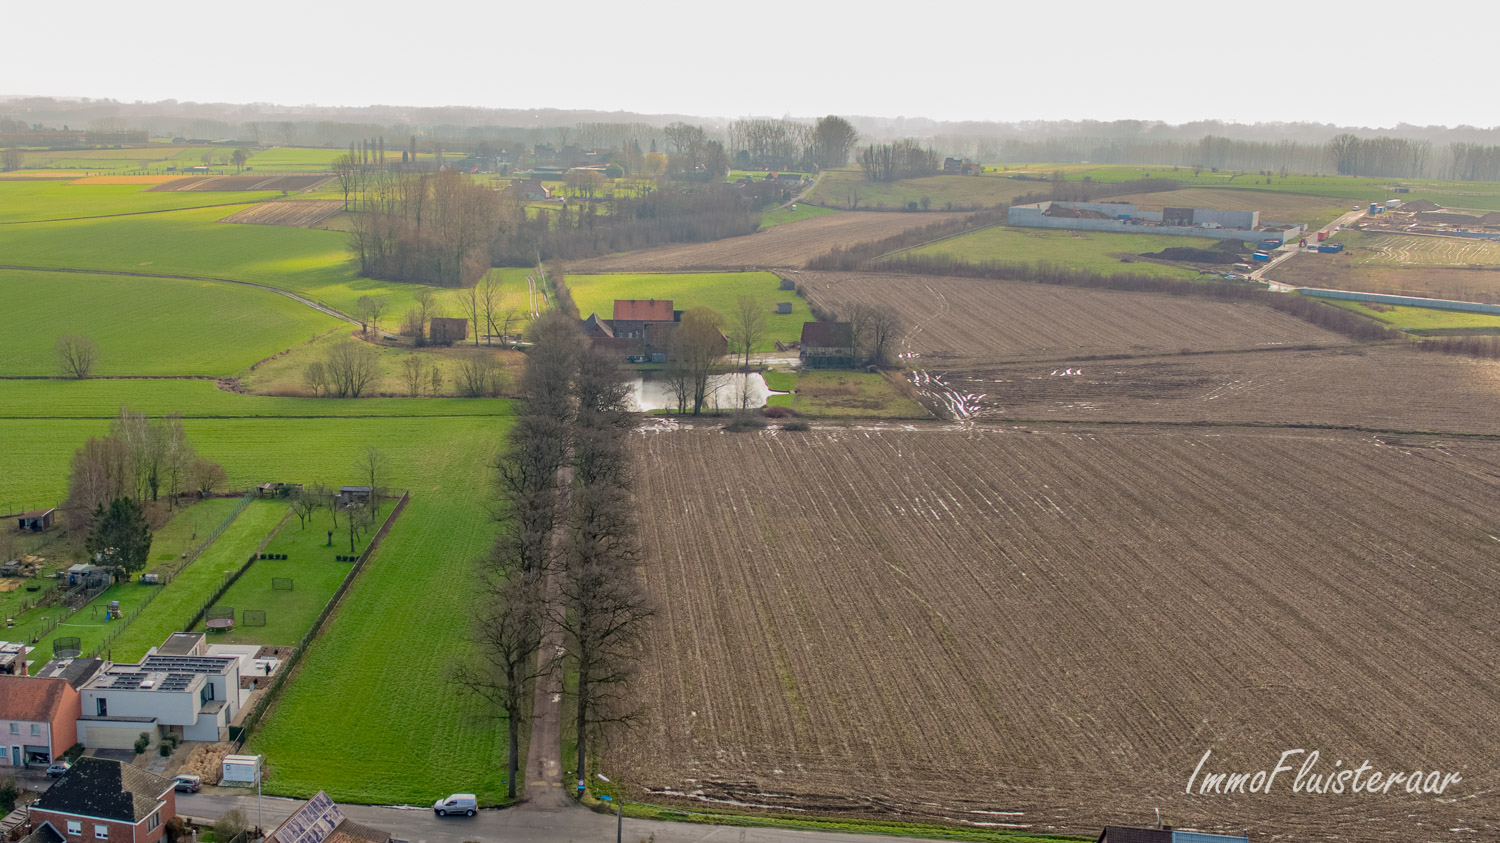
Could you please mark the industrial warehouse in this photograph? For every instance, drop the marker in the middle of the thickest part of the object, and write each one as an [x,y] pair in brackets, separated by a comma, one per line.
[1123,217]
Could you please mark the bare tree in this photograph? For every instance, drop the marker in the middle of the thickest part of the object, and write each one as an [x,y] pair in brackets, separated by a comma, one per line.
[490,299]
[471,305]
[368,310]
[239,157]
[372,466]
[479,374]
[315,378]
[417,373]
[348,172]
[205,476]
[12,159]
[428,306]
[178,457]
[351,367]
[304,504]
[747,327]
[694,357]
[833,139]
[76,355]
[286,130]
[506,637]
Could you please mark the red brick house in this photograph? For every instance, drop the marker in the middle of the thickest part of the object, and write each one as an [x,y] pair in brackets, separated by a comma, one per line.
[38,719]
[102,801]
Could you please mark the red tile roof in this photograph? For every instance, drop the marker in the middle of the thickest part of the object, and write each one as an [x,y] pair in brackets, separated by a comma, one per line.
[30,698]
[643,310]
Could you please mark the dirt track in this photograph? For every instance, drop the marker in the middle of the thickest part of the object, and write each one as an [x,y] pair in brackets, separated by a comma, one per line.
[1046,628]
[783,246]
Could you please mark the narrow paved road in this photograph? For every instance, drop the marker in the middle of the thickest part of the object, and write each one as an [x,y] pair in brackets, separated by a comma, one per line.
[531,824]
[545,788]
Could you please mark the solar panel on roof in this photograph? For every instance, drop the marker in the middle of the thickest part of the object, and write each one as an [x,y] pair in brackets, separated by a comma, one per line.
[312,822]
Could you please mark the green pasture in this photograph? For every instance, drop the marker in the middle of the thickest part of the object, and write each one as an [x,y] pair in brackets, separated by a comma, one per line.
[1449,194]
[841,394]
[1091,250]
[147,326]
[1423,320]
[284,375]
[312,263]
[53,199]
[314,570]
[101,398]
[782,216]
[717,290]
[948,192]
[153,158]
[294,159]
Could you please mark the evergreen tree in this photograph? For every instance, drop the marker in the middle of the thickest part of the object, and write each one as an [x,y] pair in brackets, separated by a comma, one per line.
[121,537]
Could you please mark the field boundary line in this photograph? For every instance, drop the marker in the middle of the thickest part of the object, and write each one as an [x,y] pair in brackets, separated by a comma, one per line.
[315,305]
[140,213]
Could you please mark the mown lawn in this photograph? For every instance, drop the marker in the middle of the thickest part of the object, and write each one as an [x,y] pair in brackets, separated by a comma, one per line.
[1091,250]
[311,566]
[961,192]
[147,326]
[717,290]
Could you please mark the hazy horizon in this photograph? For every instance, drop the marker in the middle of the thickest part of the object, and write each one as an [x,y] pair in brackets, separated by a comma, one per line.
[1169,61]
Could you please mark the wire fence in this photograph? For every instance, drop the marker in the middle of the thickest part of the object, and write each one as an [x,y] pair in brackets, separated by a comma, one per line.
[188,559]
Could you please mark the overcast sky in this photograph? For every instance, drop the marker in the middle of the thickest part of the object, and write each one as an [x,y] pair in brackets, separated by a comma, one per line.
[1361,64]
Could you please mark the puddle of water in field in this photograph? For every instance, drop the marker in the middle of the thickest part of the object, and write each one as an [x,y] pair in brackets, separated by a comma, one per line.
[652,392]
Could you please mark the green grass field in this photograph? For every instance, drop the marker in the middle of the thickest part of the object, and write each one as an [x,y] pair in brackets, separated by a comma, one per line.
[962,192]
[153,157]
[782,216]
[1425,320]
[283,376]
[147,326]
[291,159]
[836,394]
[1092,250]
[49,199]
[202,399]
[312,263]
[717,290]
[310,565]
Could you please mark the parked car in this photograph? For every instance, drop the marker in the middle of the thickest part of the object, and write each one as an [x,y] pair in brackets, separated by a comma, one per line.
[187,783]
[458,803]
[58,768]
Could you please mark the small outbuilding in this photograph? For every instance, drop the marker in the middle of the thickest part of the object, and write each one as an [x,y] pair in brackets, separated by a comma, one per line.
[240,771]
[447,330]
[783,307]
[36,521]
[355,494]
[827,345]
[788,284]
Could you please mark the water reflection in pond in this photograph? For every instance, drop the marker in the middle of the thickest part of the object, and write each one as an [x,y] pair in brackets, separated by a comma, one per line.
[653,392]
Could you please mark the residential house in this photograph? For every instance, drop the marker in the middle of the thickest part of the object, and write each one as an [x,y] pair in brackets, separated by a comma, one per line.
[827,345]
[36,521]
[632,315]
[38,720]
[13,658]
[640,332]
[531,190]
[74,670]
[321,821]
[193,696]
[1165,834]
[103,801]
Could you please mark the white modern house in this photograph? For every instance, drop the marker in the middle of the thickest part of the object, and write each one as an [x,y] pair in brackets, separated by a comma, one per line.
[176,689]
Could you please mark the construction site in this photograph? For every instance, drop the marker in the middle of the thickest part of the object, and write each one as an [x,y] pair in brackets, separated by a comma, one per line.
[1123,217]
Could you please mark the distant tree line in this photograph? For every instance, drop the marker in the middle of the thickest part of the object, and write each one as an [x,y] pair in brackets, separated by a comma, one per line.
[1472,346]
[1350,155]
[429,228]
[904,159]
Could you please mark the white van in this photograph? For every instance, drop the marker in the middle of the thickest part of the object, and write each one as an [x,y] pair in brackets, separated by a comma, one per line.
[458,803]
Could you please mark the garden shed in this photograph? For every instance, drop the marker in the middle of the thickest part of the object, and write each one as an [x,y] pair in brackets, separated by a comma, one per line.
[240,771]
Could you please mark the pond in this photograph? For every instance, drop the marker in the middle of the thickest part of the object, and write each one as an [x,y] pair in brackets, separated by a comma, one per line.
[652,392]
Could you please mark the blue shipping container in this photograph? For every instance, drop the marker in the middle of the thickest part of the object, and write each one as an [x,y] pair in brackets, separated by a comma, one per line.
[1261,256]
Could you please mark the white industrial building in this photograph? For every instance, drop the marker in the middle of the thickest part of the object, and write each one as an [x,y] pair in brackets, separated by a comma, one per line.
[1125,218]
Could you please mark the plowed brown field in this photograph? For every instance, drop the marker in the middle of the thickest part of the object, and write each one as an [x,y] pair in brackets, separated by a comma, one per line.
[236,183]
[782,246]
[1048,628]
[1374,388]
[304,213]
[959,319]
